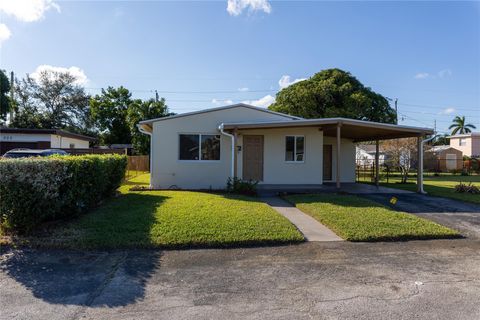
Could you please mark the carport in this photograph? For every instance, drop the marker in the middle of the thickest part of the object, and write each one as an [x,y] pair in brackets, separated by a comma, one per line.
[356,130]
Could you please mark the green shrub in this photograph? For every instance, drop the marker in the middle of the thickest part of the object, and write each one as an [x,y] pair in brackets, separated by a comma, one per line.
[467,188]
[240,186]
[34,190]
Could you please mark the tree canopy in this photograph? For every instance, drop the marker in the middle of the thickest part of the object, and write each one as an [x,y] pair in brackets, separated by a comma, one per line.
[142,110]
[4,100]
[333,93]
[460,127]
[51,100]
[109,111]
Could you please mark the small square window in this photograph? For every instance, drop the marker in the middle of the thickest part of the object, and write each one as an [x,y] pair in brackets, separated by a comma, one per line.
[462,142]
[294,148]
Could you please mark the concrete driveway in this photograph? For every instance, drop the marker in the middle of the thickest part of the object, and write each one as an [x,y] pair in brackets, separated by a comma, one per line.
[335,280]
[462,216]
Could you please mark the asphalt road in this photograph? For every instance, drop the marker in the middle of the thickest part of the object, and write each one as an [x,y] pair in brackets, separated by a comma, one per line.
[337,280]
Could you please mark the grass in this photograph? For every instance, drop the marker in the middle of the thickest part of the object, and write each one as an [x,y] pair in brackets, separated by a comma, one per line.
[442,186]
[173,219]
[358,219]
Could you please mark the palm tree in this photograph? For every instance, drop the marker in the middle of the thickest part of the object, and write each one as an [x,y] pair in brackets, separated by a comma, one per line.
[459,126]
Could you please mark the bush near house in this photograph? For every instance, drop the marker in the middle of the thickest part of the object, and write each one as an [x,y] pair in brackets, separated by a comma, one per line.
[34,190]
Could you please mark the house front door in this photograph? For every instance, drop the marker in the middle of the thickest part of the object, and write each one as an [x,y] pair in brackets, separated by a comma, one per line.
[327,162]
[252,158]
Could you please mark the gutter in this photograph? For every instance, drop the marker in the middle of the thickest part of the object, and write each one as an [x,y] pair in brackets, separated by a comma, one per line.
[232,137]
[420,165]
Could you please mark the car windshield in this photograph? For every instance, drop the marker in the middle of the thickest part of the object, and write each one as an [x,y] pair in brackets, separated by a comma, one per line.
[20,155]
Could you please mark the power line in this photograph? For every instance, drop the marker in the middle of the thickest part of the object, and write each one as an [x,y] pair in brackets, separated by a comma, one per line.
[437,107]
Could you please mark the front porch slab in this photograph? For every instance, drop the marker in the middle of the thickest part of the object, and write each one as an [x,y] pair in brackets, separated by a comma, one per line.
[329,187]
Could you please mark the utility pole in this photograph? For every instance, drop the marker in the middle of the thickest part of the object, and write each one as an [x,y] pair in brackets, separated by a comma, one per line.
[11,96]
[156,96]
[434,126]
[396,110]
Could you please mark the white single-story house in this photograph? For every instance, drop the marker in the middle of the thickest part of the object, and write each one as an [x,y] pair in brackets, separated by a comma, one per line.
[366,154]
[12,138]
[202,149]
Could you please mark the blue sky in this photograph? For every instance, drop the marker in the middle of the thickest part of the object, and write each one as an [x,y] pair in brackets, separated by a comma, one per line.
[199,55]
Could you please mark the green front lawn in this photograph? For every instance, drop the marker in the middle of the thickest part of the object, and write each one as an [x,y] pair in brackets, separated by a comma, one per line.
[174,219]
[442,186]
[358,219]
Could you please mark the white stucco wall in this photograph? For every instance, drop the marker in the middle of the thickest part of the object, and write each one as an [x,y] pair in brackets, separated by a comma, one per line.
[347,160]
[168,170]
[278,171]
[64,142]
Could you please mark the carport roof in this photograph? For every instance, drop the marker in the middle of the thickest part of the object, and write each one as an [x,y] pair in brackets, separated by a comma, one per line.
[357,130]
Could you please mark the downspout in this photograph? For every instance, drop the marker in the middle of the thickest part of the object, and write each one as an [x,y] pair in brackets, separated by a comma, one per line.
[140,128]
[232,137]
[420,164]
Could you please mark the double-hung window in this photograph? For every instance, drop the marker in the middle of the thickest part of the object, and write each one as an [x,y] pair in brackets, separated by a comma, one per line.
[294,148]
[462,142]
[201,147]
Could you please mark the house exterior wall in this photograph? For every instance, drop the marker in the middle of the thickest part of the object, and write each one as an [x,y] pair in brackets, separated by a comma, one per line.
[64,142]
[278,171]
[168,170]
[22,137]
[347,161]
[471,147]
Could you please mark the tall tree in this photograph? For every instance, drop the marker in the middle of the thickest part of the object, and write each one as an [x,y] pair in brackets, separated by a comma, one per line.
[142,110]
[401,154]
[333,93]
[52,100]
[4,100]
[109,111]
[459,126]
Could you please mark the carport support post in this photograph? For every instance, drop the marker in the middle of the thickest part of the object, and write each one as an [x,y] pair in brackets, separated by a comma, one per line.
[420,164]
[339,126]
[377,167]
[235,164]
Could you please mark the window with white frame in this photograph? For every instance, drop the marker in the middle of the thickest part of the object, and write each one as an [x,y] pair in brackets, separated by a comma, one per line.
[294,148]
[462,142]
[201,147]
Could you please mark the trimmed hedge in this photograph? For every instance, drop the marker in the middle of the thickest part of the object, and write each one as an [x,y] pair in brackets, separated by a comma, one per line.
[34,190]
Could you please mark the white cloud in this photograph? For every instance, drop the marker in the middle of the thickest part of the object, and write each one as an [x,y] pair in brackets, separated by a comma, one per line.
[225,102]
[422,75]
[27,10]
[444,73]
[262,102]
[78,73]
[244,89]
[4,33]
[285,81]
[236,7]
[448,111]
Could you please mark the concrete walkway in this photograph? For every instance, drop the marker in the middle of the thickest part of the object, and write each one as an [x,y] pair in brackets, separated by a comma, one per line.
[311,228]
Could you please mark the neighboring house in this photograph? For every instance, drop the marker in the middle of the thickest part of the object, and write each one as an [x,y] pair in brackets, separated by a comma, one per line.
[127,147]
[12,138]
[443,159]
[469,143]
[365,155]
[203,149]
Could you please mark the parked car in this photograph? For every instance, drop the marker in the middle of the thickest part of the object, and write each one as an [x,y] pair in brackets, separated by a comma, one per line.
[26,153]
